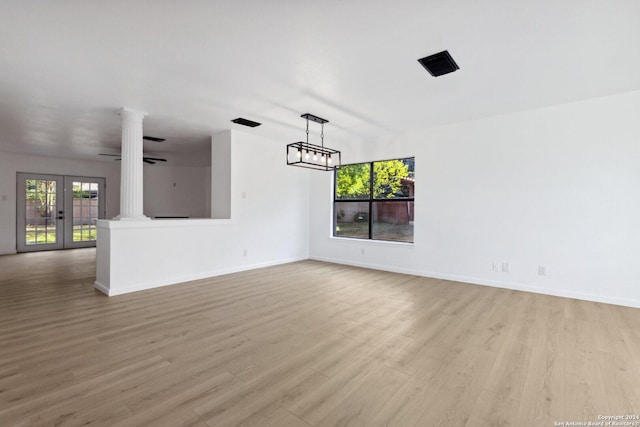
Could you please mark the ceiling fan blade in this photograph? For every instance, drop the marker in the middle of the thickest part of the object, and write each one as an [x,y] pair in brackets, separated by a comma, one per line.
[149,160]
[153,138]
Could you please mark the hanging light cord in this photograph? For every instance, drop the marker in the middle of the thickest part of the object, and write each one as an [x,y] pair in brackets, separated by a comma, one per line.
[322,134]
[307,134]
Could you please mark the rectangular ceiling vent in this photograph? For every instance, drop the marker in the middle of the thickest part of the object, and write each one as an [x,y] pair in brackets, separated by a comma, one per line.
[439,64]
[153,138]
[245,122]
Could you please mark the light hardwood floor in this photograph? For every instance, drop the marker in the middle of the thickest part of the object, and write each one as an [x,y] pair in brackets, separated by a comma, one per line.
[304,344]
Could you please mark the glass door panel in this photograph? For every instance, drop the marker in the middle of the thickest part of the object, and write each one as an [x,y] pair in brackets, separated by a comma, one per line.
[84,205]
[56,212]
[39,212]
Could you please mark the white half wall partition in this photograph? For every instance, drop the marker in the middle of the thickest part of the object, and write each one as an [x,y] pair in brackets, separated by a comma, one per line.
[267,201]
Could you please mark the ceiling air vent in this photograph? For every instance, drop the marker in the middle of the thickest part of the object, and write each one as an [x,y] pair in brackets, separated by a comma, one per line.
[439,64]
[153,138]
[245,122]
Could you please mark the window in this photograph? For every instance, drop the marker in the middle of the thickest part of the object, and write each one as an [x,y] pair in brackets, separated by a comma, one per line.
[374,200]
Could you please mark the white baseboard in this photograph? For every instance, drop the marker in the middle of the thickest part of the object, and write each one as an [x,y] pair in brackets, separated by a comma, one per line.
[100,287]
[627,302]
[456,278]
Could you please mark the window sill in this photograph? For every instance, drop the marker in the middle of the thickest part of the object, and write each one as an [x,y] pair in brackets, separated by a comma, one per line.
[358,241]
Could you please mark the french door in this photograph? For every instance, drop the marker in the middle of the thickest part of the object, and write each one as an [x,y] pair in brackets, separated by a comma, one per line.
[57,212]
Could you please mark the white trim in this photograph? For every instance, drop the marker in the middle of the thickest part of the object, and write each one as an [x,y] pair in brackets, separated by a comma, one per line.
[495,283]
[100,287]
[182,279]
[158,223]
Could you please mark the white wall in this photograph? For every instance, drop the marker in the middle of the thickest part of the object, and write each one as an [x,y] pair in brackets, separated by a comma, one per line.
[268,225]
[207,191]
[221,175]
[176,191]
[10,163]
[189,197]
[557,187]
[269,202]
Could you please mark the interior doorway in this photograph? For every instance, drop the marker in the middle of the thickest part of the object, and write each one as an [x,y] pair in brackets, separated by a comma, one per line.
[58,211]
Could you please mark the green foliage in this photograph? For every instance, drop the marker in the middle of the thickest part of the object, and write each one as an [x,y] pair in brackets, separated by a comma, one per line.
[80,194]
[42,193]
[40,235]
[353,181]
[388,176]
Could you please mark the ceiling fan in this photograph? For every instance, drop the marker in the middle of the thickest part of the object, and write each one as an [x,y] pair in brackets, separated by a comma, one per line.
[150,160]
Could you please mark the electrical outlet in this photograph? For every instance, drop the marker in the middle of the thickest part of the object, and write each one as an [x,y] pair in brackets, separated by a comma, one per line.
[362,251]
[542,270]
[505,267]
[244,252]
[496,267]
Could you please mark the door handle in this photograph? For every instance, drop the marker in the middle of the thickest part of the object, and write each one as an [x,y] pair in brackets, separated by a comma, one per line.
[60,214]
[60,217]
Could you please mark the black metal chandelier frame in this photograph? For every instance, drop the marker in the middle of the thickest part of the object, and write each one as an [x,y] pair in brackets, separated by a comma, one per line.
[312,156]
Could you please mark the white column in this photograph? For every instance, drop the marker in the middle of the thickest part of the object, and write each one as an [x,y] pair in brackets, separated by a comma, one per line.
[131,178]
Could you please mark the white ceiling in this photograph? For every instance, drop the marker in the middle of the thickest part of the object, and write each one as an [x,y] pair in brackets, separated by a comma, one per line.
[68,66]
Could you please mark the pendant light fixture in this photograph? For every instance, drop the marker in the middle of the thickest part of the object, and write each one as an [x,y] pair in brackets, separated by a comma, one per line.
[313,156]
